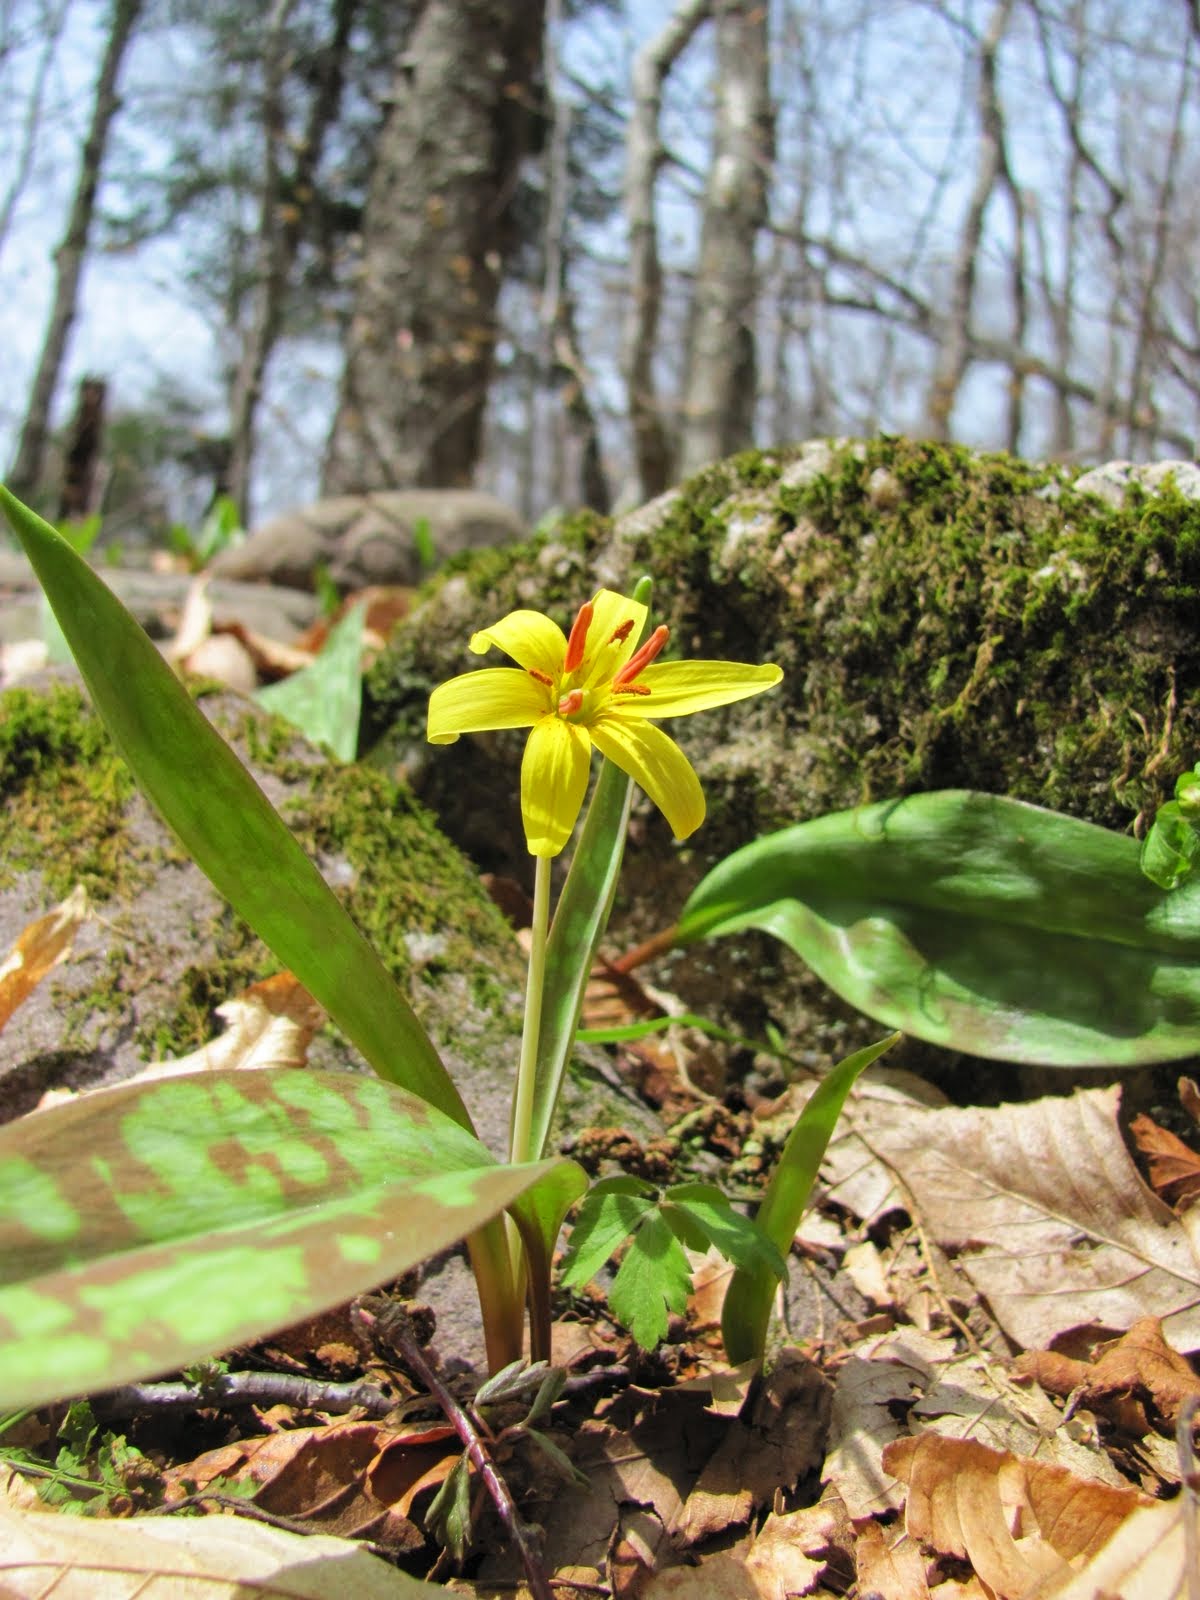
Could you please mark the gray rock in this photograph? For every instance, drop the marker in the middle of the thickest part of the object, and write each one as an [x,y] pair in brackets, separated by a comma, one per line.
[369,539]
[156,600]
[1111,481]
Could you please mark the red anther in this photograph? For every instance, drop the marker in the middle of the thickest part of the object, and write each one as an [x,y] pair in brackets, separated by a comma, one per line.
[570,703]
[623,632]
[542,677]
[641,658]
[577,643]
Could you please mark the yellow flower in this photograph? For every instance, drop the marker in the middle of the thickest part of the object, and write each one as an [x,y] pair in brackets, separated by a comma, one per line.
[593,688]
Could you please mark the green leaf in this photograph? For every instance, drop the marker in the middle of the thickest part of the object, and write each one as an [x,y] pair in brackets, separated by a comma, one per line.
[146,1226]
[449,1515]
[653,1280]
[981,924]
[324,699]
[747,1309]
[628,1032]
[612,1211]
[225,822]
[539,1214]
[1170,849]
[713,1218]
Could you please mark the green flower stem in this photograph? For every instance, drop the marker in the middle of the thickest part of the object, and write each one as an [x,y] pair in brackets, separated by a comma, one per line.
[522,1114]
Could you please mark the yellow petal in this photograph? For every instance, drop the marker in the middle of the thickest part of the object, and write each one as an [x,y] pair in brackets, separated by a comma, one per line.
[554,777]
[532,640]
[475,702]
[609,614]
[656,763]
[678,688]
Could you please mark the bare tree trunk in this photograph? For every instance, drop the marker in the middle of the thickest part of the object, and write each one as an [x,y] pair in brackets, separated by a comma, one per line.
[436,233]
[280,227]
[644,157]
[1142,418]
[69,257]
[955,344]
[78,496]
[721,388]
[53,21]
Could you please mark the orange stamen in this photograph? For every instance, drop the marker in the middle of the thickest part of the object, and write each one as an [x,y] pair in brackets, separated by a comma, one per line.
[542,677]
[630,688]
[577,643]
[623,632]
[570,703]
[641,658]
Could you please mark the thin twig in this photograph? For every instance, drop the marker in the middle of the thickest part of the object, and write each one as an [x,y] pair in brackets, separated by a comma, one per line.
[244,1389]
[389,1324]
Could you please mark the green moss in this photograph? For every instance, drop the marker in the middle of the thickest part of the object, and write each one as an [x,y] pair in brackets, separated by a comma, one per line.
[67,799]
[64,793]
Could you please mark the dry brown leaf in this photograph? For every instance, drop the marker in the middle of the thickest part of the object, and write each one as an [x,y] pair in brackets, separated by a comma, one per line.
[889,1564]
[1020,1523]
[178,1558]
[873,1390]
[790,1556]
[852,1176]
[1044,1210]
[314,1475]
[1145,1559]
[1174,1166]
[271,1024]
[780,1441]
[195,622]
[1138,1369]
[38,948]
[224,658]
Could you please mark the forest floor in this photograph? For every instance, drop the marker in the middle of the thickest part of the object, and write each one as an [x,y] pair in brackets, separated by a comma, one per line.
[975,1388]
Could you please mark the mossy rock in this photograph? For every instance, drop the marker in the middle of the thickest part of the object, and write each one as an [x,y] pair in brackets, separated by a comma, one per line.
[944,618]
[163,951]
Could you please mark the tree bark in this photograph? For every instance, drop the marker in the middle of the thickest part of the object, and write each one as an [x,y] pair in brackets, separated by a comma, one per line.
[437,230]
[26,474]
[721,386]
[644,157]
[955,343]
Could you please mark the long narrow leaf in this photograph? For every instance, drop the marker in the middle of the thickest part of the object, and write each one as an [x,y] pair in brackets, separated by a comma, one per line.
[145,1226]
[748,1299]
[979,923]
[225,822]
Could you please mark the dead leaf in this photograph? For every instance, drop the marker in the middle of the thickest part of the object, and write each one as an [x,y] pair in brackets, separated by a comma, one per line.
[39,948]
[871,1397]
[781,1440]
[410,1460]
[271,1024]
[1042,1207]
[222,657]
[1174,1166]
[195,622]
[889,1564]
[1145,1559]
[1128,1375]
[1020,1523]
[312,1475]
[792,1554]
[20,659]
[186,1558]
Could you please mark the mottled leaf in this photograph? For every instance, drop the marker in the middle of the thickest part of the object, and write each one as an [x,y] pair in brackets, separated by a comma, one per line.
[149,1225]
[979,923]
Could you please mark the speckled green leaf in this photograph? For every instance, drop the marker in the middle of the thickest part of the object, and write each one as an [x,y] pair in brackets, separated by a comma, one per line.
[979,923]
[225,822]
[145,1226]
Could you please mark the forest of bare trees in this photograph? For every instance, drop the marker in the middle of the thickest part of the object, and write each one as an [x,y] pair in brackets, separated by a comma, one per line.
[572,250]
